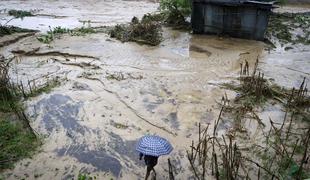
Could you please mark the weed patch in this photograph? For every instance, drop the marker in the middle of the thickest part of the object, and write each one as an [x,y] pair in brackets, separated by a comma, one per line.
[58,31]
[283,25]
[18,139]
[16,143]
[45,88]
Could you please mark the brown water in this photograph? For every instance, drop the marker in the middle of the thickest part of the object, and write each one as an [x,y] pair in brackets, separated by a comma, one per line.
[91,122]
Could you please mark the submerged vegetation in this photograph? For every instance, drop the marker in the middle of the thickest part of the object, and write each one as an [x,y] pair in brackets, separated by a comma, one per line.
[279,151]
[282,26]
[254,89]
[7,30]
[19,13]
[57,31]
[227,158]
[52,34]
[146,31]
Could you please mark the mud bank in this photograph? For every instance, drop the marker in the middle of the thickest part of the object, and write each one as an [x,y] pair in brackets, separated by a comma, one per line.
[112,93]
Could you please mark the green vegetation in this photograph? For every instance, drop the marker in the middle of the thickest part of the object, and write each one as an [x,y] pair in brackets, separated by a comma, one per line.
[147,31]
[7,30]
[280,153]
[176,12]
[51,34]
[19,13]
[253,88]
[46,88]
[119,125]
[16,143]
[57,31]
[17,137]
[85,29]
[282,26]
[86,177]
[282,2]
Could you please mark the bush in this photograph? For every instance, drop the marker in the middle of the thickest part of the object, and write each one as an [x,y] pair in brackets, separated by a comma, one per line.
[147,31]
[176,11]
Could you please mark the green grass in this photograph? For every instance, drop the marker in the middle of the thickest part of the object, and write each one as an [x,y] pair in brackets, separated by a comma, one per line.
[57,31]
[9,105]
[9,99]
[44,89]
[16,142]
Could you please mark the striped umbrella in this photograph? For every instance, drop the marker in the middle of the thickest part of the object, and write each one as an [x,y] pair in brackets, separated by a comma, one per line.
[153,146]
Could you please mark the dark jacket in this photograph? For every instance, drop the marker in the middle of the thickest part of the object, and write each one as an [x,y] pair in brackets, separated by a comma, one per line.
[150,161]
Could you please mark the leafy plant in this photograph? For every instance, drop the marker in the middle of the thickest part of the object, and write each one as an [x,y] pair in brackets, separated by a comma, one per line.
[180,6]
[53,33]
[176,11]
[85,29]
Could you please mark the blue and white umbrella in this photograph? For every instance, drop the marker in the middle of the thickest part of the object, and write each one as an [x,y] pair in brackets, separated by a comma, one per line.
[153,146]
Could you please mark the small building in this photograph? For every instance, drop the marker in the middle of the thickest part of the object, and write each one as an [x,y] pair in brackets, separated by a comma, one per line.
[237,18]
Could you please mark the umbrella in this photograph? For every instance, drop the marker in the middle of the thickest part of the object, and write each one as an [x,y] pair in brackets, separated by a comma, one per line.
[153,146]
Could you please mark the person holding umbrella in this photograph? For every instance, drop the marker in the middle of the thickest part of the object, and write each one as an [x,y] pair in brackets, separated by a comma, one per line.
[151,147]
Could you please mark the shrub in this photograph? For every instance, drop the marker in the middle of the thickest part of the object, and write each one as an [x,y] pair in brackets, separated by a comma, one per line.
[176,11]
[147,31]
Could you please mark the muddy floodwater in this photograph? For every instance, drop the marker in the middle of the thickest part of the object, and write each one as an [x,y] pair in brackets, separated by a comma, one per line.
[112,93]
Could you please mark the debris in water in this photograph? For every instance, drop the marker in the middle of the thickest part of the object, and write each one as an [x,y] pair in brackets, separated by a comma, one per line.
[146,31]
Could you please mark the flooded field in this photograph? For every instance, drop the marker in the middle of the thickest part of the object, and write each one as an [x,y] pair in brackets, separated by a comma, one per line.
[112,93]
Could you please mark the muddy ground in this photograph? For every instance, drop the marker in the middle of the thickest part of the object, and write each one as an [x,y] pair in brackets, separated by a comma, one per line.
[112,93]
